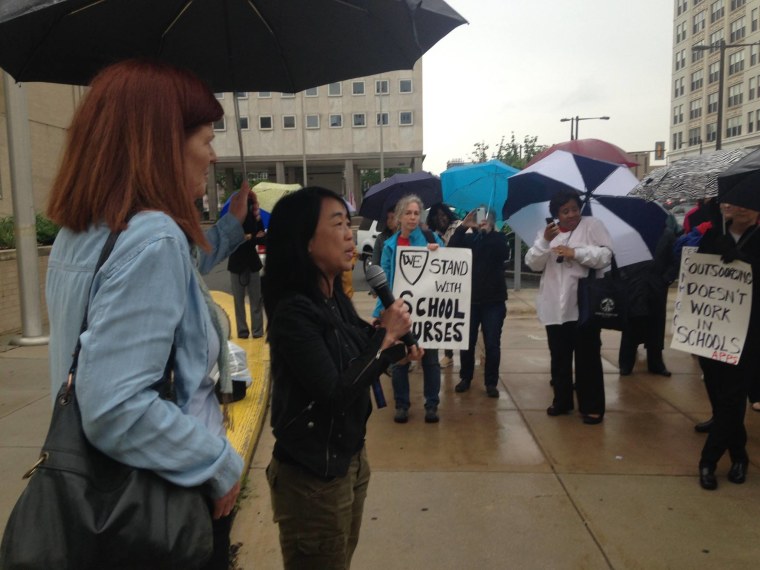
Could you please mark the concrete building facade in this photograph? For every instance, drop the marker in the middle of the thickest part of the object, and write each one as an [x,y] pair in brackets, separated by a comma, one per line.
[334,129]
[696,75]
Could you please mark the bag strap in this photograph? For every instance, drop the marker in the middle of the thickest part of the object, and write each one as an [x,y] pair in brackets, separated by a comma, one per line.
[614,271]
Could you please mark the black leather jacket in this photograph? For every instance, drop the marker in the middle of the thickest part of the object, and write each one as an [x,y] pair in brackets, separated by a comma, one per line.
[324,359]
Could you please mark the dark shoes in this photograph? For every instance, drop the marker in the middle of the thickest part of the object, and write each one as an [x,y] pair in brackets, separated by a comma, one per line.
[705,426]
[707,478]
[738,472]
[625,371]
[555,411]
[661,371]
[431,415]
[401,416]
[463,386]
[592,420]
[243,334]
[492,391]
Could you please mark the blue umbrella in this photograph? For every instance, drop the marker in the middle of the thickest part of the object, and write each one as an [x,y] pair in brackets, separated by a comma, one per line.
[634,224]
[384,195]
[263,213]
[474,185]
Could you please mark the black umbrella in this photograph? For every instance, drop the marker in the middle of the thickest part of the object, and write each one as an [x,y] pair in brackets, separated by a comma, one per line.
[740,184]
[384,195]
[234,45]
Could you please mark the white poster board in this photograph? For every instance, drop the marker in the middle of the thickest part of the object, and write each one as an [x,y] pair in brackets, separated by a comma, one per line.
[712,311]
[436,286]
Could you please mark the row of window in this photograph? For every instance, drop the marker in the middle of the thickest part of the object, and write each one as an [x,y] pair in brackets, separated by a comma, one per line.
[737,28]
[334,121]
[736,65]
[733,129]
[382,87]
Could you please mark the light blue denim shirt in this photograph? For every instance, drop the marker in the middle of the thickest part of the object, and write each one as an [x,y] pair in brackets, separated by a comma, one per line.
[144,298]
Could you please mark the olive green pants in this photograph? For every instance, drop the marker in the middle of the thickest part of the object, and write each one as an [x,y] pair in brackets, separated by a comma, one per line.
[319,520]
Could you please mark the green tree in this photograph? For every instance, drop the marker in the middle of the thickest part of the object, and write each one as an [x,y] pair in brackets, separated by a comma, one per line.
[512,153]
[371,176]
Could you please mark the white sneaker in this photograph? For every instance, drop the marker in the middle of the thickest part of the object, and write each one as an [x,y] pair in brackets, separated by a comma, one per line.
[446,362]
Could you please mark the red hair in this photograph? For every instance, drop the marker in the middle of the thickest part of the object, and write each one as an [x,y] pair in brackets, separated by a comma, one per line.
[124,150]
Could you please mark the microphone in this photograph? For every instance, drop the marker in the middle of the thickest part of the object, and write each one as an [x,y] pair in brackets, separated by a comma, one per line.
[377,280]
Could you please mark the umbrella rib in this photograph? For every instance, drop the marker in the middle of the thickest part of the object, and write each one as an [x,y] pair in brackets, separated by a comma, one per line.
[174,21]
[83,8]
[275,41]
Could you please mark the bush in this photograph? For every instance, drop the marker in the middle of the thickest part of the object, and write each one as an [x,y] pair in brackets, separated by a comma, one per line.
[46,231]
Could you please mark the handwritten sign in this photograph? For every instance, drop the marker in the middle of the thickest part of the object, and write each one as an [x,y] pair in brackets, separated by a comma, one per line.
[712,307]
[435,285]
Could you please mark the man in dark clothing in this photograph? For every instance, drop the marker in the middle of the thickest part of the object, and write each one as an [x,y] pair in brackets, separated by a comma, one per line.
[244,266]
[488,307]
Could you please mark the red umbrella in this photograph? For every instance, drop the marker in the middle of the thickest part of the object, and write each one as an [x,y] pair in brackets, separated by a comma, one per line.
[591,148]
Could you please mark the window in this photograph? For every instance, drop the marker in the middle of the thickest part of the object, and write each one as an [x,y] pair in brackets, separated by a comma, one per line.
[711,132]
[680,32]
[694,136]
[717,10]
[335,89]
[219,96]
[712,103]
[265,94]
[733,127]
[336,121]
[735,95]
[288,121]
[359,119]
[698,22]
[382,117]
[677,114]
[752,88]
[679,87]
[312,92]
[681,6]
[677,140]
[697,80]
[753,53]
[241,94]
[695,109]
[754,19]
[357,88]
[381,87]
[312,121]
[220,125]
[406,118]
[736,62]
[716,38]
[737,4]
[681,59]
[405,86]
[738,29]
[750,122]
[265,122]
[713,72]
[697,54]
[287,95]
[243,123]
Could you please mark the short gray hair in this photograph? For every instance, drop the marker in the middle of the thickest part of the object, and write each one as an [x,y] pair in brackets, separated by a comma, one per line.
[403,204]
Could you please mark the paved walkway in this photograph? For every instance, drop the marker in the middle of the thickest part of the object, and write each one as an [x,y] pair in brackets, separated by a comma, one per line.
[497,483]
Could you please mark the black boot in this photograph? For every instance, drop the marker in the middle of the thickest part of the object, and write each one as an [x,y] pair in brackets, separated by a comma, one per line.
[707,478]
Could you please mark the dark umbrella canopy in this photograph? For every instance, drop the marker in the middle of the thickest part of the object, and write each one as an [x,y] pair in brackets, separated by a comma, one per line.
[740,184]
[590,148]
[383,196]
[234,45]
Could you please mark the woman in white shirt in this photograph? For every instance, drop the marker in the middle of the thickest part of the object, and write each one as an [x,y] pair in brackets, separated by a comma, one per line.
[565,251]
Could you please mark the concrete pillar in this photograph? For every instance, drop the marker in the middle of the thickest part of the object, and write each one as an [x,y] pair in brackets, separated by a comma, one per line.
[348,180]
[229,179]
[280,172]
[211,193]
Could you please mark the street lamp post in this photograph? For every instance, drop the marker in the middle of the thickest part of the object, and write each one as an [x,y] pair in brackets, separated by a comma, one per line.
[574,123]
[722,46]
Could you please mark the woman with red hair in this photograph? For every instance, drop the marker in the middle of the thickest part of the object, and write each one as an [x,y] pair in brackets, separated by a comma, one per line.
[137,157]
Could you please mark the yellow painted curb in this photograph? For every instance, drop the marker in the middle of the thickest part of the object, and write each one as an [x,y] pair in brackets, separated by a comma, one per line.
[247,415]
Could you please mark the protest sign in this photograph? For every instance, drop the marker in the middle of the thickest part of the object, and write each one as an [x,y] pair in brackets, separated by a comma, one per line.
[436,286]
[712,312]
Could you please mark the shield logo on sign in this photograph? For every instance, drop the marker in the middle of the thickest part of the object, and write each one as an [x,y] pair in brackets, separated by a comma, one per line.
[413,265]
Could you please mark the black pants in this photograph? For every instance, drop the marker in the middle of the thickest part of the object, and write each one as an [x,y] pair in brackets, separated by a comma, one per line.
[220,558]
[727,388]
[585,343]
[648,329]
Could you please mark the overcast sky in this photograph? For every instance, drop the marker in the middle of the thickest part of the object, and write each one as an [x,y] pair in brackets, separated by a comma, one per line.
[522,65]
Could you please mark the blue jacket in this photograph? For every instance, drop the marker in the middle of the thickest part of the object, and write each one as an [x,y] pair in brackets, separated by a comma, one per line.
[144,298]
[388,259]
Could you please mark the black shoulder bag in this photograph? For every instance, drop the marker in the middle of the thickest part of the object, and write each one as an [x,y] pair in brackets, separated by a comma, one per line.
[83,510]
[603,302]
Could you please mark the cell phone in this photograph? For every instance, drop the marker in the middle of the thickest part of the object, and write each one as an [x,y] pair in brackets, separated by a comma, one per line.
[549,221]
[480,215]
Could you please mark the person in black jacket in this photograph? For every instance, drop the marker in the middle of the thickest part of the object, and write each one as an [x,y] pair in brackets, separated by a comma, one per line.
[244,265]
[324,359]
[727,384]
[488,307]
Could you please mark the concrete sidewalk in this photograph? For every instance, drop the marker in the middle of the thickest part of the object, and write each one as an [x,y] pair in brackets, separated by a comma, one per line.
[497,483]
